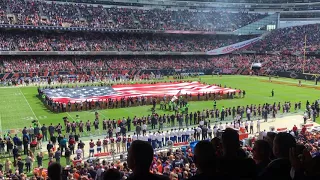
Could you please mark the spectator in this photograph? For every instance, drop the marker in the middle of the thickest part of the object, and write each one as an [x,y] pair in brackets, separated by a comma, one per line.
[28,161]
[234,163]
[57,155]
[100,172]
[54,171]
[67,155]
[140,156]
[112,174]
[39,159]
[261,154]
[205,160]
[7,165]
[20,165]
[280,167]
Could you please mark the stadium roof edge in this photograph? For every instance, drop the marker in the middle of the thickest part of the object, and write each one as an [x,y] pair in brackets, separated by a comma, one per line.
[173,2]
[196,4]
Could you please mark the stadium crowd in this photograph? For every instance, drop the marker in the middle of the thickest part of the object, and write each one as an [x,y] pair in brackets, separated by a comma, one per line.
[220,153]
[42,13]
[290,40]
[270,63]
[82,41]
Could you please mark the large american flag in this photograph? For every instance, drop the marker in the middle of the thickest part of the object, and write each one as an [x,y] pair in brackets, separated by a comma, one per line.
[95,93]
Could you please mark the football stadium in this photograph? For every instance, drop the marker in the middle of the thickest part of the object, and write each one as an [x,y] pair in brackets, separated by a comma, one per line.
[154,89]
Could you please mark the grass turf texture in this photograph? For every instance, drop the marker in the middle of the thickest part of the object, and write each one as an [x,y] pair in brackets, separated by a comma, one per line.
[20,105]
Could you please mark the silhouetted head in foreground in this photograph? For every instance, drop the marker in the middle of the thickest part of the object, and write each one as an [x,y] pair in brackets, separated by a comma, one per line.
[204,157]
[54,171]
[230,142]
[282,144]
[112,174]
[140,156]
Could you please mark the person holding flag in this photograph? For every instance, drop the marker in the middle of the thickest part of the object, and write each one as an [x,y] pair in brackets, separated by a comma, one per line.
[175,97]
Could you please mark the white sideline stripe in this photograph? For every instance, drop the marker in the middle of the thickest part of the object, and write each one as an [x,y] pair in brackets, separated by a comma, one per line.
[29,105]
[0,123]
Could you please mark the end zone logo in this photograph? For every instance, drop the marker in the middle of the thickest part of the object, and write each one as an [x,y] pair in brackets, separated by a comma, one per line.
[293,75]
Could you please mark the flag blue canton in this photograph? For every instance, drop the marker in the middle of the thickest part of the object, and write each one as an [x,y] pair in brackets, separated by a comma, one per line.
[80,92]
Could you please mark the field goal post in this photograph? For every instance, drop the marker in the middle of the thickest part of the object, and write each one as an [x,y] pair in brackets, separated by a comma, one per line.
[313,76]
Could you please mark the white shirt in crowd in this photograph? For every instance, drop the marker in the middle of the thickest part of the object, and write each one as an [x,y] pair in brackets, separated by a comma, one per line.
[144,127]
[292,133]
[185,132]
[134,137]
[258,123]
[31,130]
[236,126]
[172,134]
[246,123]
[251,123]
[199,130]
[145,138]
[260,137]
[118,129]
[215,130]
[227,125]
[153,136]
[262,134]
[167,135]
[221,127]
[201,123]
[176,132]
[159,136]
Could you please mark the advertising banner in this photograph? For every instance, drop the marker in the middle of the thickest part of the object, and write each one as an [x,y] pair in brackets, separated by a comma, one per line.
[233,47]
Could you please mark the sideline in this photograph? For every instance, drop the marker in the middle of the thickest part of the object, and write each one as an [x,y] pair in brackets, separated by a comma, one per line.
[0,124]
[29,105]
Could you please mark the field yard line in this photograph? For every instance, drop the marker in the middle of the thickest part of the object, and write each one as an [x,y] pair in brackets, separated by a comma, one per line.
[69,115]
[100,112]
[0,124]
[28,105]
[288,81]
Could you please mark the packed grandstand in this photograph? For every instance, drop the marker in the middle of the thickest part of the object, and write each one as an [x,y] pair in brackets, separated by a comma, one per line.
[114,44]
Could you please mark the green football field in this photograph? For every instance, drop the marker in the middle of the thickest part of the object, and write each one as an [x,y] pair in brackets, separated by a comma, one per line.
[20,105]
